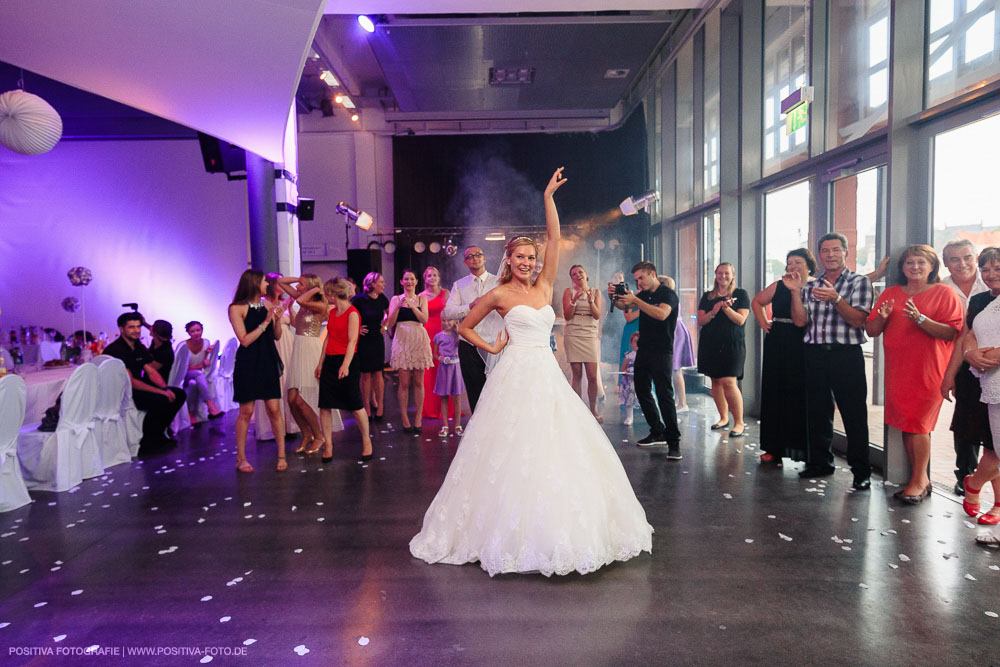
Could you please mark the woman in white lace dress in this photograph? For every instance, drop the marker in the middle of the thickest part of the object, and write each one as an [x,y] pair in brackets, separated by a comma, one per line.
[535,485]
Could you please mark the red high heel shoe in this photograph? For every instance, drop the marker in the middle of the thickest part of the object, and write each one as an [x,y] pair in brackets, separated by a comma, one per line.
[989,519]
[970,509]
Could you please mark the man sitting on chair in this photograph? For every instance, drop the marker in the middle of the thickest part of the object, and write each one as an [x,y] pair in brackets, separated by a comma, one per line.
[149,390]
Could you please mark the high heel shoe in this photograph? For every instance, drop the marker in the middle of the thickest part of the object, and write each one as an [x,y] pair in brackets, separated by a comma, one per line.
[972,509]
[989,519]
[327,459]
[282,464]
[242,465]
[315,450]
[368,457]
[301,449]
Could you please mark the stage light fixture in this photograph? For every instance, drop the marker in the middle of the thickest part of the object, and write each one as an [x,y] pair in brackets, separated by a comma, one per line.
[355,117]
[361,219]
[366,23]
[451,249]
[389,247]
[346,102]
[327,77]
[374,245]
[633,205]
[496,236]
[599,244]
[338,98]
[419,247]
[434,247]
[613,243]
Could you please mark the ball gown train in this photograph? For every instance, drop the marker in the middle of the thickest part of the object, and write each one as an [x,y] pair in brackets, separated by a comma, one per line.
[536,485]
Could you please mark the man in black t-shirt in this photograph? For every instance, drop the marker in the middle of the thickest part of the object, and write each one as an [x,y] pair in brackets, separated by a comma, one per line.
[149,390]
[657,305]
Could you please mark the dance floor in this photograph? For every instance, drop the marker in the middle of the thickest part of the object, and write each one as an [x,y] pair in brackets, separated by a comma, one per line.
[179,560]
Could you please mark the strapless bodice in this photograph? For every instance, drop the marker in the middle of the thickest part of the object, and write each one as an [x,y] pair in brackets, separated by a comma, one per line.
[308,323]
[530,326]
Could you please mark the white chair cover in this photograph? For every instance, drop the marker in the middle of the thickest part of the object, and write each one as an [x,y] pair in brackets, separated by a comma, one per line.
[224,376]
[61,460]
[100,359]
[196,403]
[182,355]
[13,397]
[110,430]
[133,417]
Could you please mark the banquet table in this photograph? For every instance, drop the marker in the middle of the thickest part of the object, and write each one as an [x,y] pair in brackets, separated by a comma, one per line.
[39,353]
[44,387]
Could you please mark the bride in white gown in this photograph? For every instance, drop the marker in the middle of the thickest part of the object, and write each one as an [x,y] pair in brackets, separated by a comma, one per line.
[535,485]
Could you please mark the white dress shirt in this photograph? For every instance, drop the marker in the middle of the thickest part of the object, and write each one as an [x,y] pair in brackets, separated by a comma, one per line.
[977,287]
[463,293]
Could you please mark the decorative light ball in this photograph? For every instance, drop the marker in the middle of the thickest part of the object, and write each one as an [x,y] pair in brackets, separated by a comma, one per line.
[71,304]
[613,243]
[28,124]
[434,246]
[80,275]
[451,250]
[419,247]
[599,244]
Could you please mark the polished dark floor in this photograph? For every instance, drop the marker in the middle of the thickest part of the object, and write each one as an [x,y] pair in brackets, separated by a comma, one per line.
[178,555]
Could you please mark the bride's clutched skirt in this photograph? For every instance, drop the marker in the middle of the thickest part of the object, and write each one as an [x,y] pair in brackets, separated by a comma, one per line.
[535,485]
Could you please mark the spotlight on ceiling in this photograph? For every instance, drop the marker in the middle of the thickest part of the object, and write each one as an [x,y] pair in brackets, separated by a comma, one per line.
[389,247]
[434,247]
[451,249]
[366,23]
[327,77]
[599,244]
[338,98]
[355,117]
[633,205]
[419,247]
[361,219]
[374,245]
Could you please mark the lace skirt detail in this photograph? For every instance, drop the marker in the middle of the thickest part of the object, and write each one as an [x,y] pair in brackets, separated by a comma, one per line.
[411,348]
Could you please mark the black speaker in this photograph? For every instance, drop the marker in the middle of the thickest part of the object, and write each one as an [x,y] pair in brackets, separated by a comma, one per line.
[306,209]
[362,262]
[221,157]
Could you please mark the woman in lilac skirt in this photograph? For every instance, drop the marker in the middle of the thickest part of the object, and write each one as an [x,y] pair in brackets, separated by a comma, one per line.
[683,352]
[449,376]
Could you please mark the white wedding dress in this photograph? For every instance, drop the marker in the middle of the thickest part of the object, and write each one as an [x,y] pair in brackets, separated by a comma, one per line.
[535,485]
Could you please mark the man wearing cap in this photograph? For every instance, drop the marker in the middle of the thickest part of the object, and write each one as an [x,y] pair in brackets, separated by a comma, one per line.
[149,390]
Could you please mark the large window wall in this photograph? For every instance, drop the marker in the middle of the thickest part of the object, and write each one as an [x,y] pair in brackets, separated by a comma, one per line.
[786,68]
[962,46]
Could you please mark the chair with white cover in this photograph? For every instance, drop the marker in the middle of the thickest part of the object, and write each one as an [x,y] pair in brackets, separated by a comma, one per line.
[13,398]
[182,355]
[61,460]
[100,359]
[133,418]
[195,401]
[224,376]
[110,430]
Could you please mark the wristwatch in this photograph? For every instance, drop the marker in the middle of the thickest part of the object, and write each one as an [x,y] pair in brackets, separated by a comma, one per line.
[921,319]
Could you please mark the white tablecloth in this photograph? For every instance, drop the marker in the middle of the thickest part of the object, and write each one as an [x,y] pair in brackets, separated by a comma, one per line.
[39,353]
[44,387]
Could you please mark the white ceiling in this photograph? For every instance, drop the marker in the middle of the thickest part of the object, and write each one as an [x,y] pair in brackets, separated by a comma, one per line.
[501,6]
[196,62]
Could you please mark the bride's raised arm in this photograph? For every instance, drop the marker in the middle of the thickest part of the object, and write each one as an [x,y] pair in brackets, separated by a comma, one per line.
[551,266]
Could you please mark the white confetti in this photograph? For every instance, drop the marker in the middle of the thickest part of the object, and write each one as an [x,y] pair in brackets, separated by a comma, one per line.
[363,641]
[771,516]
[246,504]
[748,540]
[91,648]
[846,548]
[906,521]
[995,567]
[862,585]
[247,642]
[968,525]
[301,649]
[59,638]
[904,558]
[4,625]
[854,519]
[298,551]
[947,556]
[167,551]
[40,604]
[991,614]
[727,496]
[970,577]
[893,566]
[206,598]
[77,591]
[225,619]
[784,537]
[206,659]
[321,519]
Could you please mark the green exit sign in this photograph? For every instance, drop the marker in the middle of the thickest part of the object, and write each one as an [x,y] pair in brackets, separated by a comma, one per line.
[796,118]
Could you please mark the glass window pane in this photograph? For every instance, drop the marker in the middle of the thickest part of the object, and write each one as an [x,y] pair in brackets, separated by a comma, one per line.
[710,138]
[962,50]
[685,127]
[711,243]
[858,87]
[688,290]
[786,66]
[786,227]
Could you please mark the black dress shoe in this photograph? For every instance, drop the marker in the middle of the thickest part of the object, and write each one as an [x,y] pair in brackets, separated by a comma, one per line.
[959,489]
[367,457]
[720,427]
[818,471]
[862,483]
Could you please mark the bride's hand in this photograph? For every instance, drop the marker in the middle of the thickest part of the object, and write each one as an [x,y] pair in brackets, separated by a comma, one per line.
[556,182]
[501,342]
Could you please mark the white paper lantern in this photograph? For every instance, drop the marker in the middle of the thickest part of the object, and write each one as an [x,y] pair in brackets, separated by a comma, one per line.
[28,124]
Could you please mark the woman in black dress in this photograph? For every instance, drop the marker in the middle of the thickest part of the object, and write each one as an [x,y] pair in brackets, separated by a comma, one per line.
[722,345]
[257,373]
[783,374]
[371,304]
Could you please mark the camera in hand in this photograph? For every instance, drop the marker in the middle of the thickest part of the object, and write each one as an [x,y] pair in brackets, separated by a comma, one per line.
[619,289]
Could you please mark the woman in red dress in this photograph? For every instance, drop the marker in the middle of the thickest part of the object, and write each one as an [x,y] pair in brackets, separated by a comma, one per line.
[437,298]
[919,318]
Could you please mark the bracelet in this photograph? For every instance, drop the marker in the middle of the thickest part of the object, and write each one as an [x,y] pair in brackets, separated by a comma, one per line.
[262,328]
[838,299]
[965,353]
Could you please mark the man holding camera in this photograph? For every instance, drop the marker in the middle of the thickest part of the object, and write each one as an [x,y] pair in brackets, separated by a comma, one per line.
[657,305]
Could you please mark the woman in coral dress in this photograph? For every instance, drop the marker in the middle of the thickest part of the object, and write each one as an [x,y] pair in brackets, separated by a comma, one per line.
[919,319]
[437,298]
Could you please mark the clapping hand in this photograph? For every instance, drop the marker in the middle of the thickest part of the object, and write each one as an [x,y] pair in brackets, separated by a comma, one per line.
[886,308]
[825,292]
[793,281]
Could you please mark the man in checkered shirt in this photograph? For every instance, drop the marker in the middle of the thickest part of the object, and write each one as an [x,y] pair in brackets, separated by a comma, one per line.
[833,308]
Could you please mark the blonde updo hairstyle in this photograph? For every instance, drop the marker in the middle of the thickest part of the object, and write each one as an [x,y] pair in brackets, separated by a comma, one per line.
[507,275]
[337,288]
[310,281]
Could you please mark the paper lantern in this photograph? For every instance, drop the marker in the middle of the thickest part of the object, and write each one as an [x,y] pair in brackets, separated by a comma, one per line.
[28,124]
[71,304]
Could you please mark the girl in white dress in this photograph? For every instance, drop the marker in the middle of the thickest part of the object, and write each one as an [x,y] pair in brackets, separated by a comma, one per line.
[535,485]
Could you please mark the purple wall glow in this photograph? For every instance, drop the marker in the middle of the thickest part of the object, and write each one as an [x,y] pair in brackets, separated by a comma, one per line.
[143,216]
